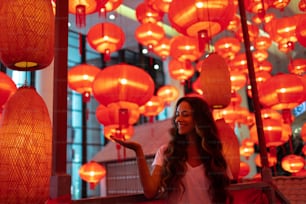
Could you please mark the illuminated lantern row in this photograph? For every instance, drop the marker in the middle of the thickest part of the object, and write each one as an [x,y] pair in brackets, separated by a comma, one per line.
[215,78]
[106,38]
[92,172]
[201,19]
[7,88]
[123,82]
[80,79]
[25,148]
[27,34]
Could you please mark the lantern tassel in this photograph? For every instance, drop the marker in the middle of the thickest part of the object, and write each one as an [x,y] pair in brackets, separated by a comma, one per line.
[80,15]
[202,39]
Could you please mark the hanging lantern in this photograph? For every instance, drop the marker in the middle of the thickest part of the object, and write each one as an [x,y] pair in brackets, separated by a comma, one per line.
[202,19]
[123,82]
[92,172]
[106,6]
[184,49]
[246,148]
[80,79]
[162,49]
[244,169]
[215,78]
[146,14]
[253,31]
[282,30]
[272,130]
[234,24]
[297,66]
[262,42]
[168,93]
[153,107]
[239,63]
[227,47]
[7,88]
[160,5]
[279,4]
[258,19]
[110,115]
[27,34]
[230,146]
[149,34]
[25,149]
[238,80]
[293,163]
[302,5]
[263,66]
[261,76]
[233,114]
[282,91]
[260,55]
[81,8]
[180,71]
[300,30]
[256,7]
[106,38]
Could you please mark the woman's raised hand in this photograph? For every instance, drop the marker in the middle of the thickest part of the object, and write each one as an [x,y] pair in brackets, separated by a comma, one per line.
[128,144]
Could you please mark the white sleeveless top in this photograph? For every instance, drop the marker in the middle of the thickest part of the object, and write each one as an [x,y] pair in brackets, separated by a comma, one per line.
[195,182]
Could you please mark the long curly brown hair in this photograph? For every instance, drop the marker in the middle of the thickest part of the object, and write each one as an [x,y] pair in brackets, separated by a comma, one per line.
[209,146]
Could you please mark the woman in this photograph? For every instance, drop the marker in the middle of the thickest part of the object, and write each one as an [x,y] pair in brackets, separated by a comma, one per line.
[191,167]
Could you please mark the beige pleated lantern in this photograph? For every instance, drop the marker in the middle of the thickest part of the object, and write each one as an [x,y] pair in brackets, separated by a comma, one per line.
[27,34]
[25,149]
[215,81]
[230,147]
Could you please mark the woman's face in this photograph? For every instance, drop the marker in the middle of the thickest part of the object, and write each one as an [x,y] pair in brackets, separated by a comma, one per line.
[184,120]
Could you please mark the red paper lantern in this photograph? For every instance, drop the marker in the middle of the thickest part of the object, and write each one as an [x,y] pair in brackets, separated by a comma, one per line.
[272,130]
[261,76]
[184,49]
[246,148]
[27,34]
[238,80]
[263,66]
[227,47]
[106,38]
[81,8]
[7,88]
[262,42]
[106,6]
[92,172]
[153,107]
[233,114]
[253,31]
[215,78]
[302,5]
[258,19]
[191,17]
[293,163]
[168,93]
[244,169]
[160,5]
[180,71]
[283,31]
[297,66]
[256,7]
[162,49]
[300,30]
[149,34]
[123,82]
[279,4]
[282,91]
[110,115]
[80,79]
[146,14]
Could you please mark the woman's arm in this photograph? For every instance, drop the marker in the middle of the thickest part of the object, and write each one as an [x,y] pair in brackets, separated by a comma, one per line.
[150,182]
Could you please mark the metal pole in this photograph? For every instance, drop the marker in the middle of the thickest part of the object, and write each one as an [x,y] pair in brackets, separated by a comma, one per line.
[266,171]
